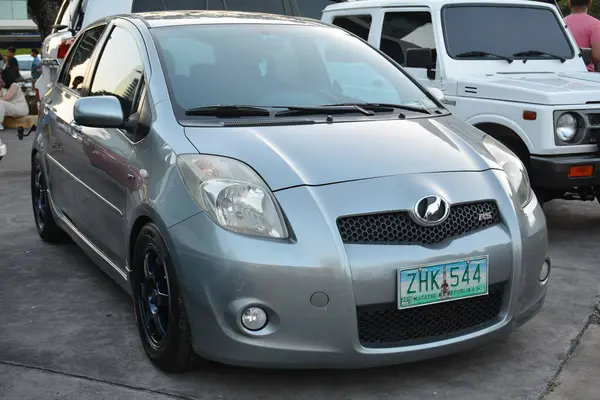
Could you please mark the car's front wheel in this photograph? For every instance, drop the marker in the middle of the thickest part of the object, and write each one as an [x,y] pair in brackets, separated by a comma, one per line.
[46,226]
[159,309]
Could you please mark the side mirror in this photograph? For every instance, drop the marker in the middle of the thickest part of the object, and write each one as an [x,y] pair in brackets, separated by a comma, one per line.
[437,93]
[420,58]
[586,54]
[99,112]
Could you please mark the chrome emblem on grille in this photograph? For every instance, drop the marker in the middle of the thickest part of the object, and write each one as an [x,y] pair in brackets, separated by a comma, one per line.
[431,210]
[486,216]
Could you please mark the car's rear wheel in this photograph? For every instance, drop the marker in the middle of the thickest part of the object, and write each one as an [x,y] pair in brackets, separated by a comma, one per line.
[45,224]
[159,309]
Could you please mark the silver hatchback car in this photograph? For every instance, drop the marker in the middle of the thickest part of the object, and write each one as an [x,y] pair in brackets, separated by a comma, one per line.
[274,192]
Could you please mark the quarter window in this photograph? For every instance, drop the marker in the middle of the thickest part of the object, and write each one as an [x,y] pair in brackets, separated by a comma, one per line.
[406,30]
[360,25]
[73,75]
[119,71]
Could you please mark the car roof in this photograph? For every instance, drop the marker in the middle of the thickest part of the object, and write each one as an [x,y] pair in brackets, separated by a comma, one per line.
[213,17]
[345,5]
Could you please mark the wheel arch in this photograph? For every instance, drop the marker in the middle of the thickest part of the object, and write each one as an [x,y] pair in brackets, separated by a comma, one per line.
[142,216]
[508,137]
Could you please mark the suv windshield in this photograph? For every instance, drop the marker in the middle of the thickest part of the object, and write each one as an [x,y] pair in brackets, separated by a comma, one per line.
[266,65]
[504,30]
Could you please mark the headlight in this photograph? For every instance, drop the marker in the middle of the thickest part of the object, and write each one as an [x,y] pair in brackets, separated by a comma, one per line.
[232,195]
[566,127]
[513,167]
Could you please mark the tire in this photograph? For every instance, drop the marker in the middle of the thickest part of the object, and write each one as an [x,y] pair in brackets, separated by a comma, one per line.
[159,309]
[45,223]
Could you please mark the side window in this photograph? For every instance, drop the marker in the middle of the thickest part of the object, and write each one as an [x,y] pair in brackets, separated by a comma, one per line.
[265,6]
[215,5]
[314,8]
[406,30]
[73,73]
[147,5]
[119,71]
[360,25]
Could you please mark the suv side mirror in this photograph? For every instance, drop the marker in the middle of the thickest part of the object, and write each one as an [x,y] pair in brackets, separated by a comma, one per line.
[586,54]
[99,112]
[422,58]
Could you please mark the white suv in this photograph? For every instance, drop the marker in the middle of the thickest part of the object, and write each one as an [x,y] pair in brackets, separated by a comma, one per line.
[508,67]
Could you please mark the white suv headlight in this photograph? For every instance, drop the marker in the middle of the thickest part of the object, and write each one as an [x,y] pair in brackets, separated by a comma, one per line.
[232,195]
[513,167]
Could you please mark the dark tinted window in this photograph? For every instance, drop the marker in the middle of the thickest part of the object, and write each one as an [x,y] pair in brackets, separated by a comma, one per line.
[161,5]
[313,8]
[147,5]
[357,24]
[119,70]
[503,30]
[276,65]
[406,30]
[76,67]
[215,5]
[266,6]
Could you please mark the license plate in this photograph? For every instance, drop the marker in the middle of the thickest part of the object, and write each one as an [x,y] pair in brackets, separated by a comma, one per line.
[429,284]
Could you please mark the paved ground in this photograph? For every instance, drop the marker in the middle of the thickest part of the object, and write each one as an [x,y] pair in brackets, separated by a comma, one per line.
[68,331]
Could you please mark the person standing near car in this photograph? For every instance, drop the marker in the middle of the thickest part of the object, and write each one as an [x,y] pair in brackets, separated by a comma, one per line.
[585,28]
[12,63]
[36,64]
[12,102]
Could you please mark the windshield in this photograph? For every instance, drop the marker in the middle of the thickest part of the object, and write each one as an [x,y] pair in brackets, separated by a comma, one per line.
[277,65]
[504,30]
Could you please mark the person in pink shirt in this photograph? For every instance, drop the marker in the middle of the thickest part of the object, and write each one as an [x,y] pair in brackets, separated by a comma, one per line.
[585,28]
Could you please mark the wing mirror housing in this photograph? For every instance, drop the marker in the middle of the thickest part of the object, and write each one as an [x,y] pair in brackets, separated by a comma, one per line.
[99,112]
[422,58]
[437,93]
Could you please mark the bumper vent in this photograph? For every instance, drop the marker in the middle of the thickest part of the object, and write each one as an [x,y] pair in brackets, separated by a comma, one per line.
[399,228]
[383,325]
[594,119]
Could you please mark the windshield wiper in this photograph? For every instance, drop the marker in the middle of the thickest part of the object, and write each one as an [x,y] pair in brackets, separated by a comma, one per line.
[483,54]
[535,53]
[325,109]
[229,111]
[387,107]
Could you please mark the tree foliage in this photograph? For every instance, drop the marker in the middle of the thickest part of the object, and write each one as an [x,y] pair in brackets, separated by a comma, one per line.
[43,13]
[594,10]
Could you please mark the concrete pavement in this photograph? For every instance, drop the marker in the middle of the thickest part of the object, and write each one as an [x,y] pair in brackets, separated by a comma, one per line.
[68,331]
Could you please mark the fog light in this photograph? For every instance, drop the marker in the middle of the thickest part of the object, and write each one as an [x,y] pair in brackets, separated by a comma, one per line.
[545,271]
[254,318]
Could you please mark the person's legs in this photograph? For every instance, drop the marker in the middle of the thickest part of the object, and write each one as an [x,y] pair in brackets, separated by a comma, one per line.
[14,110]
[11,110]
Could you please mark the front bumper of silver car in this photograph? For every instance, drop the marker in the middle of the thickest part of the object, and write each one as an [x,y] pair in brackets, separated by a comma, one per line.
[332,303]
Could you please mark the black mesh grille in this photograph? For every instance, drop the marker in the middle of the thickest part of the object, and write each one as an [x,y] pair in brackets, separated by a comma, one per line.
[399,228]
[383,325]
[594,119]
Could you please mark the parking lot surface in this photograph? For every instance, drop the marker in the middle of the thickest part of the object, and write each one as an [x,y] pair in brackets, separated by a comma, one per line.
[68,331]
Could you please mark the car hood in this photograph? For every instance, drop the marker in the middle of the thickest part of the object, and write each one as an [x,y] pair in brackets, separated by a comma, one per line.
[540,88]
[319,154]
